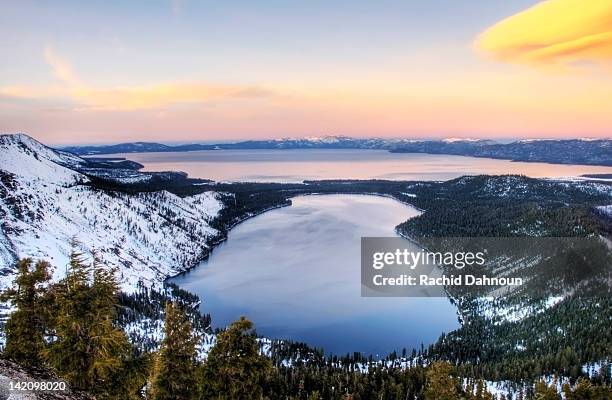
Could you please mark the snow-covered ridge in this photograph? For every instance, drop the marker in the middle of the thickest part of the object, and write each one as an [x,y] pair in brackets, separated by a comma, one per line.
[44,204]
[27,143]
[467,140]
[28,158]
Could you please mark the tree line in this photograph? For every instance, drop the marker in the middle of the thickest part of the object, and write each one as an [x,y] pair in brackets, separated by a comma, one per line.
[72,327]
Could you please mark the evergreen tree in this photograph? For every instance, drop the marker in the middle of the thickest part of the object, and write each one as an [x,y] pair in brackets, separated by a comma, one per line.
[109,344]
[89,348]
[440,385]
[480,392]
[585,390]
[69,353]
[234,369]
[546,392]
[25,328]
[173,374]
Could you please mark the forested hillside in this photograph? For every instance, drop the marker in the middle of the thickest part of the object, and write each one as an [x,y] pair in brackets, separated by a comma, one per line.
[145,230]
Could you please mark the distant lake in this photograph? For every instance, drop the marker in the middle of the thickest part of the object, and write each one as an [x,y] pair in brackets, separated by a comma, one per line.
[295,271]
[297,165]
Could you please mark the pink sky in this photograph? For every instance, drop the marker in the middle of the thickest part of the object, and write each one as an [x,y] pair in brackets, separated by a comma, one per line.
[180,72]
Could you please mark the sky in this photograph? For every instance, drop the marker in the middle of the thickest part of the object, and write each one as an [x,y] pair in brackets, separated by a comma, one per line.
[182,71]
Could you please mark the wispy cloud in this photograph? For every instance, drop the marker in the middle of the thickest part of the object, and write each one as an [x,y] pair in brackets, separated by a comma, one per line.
[164,94]
[62,70]
[85,96]
[553,32]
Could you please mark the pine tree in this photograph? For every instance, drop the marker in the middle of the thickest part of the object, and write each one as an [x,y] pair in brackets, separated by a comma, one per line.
[173,374]
[234,368]
[25,328]
[481,392]
[69,353]
[546,392]
[440,385]
[109,344]
[88,349]
[585,390]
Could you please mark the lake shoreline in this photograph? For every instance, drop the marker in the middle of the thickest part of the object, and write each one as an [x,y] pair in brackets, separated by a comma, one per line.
[216,242]
[296,165]
[214,293]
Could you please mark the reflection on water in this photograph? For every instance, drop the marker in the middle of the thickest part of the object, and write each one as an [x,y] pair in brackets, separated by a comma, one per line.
[297,165]
[295,272]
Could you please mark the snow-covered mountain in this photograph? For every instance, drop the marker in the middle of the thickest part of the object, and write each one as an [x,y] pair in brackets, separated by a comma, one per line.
[45,203]
[556,151]
[311,142]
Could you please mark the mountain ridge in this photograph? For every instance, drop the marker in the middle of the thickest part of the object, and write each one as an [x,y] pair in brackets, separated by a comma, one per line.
[557,151]
[46,201]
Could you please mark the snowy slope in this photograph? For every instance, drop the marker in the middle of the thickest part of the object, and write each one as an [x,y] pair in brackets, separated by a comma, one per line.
[44,204]
[31,160]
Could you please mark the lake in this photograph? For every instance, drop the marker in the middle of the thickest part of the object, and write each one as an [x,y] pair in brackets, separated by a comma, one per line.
[297,165]
[295,271]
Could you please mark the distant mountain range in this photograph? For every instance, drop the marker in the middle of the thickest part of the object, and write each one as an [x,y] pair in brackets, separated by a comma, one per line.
[573,151]
[326,142]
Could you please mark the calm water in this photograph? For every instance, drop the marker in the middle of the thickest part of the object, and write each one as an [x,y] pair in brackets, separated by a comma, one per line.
[297,165]
[295,272]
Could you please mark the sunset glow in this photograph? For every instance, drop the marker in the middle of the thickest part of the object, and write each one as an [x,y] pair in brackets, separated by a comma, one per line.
[194,71]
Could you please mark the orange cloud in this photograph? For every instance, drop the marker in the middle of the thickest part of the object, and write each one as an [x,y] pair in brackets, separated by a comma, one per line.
[553,32]
[70,87]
